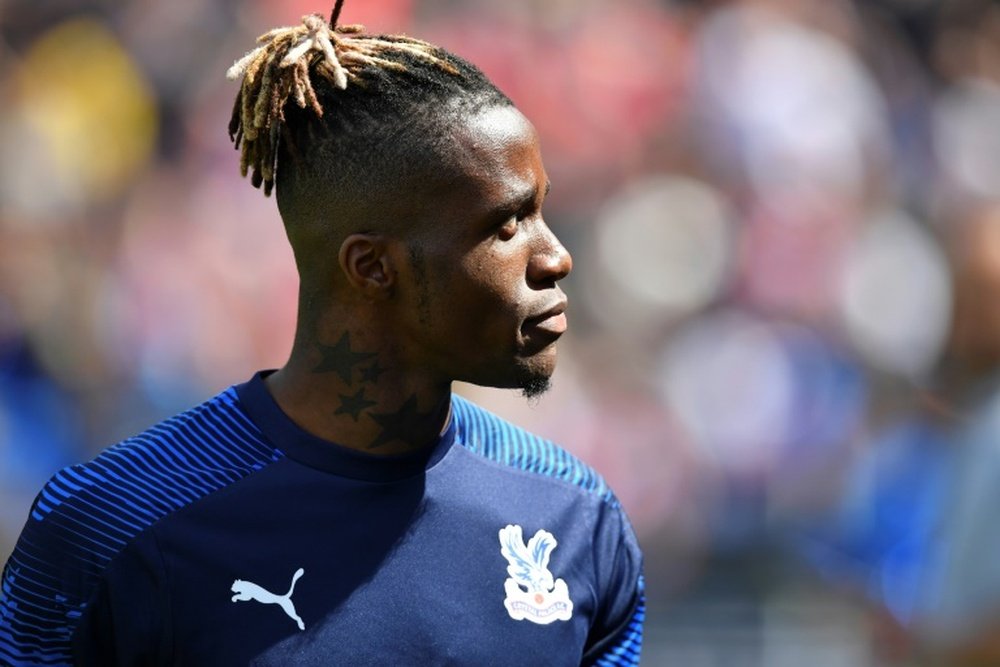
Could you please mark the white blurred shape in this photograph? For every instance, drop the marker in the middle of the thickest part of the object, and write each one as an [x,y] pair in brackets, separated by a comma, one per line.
[731,383]
[966,137]
[662,247]
[895,296]
[802,111]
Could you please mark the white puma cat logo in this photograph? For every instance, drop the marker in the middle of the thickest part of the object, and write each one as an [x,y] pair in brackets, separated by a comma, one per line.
[247,590]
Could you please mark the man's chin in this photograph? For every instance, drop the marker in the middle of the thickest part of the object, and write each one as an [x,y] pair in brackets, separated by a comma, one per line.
[533,377]
[535,387]
[533,382]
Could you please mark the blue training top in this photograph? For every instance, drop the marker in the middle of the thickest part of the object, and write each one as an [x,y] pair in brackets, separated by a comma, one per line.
[227,535]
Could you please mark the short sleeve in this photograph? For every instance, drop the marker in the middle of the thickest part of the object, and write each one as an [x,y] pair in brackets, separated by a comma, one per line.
[46,583]
[616,635]
[56,582]
[126,621]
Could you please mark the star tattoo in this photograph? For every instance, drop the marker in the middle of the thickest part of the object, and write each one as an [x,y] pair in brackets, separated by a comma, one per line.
[340,358]
[353,405]
[398,425]
[371,373]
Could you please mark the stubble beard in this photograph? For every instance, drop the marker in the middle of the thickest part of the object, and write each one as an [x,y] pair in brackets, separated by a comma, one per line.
[533,384]
[533,376]
[533,389]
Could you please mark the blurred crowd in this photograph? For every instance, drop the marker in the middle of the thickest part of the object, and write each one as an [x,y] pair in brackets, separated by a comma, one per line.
[785,343]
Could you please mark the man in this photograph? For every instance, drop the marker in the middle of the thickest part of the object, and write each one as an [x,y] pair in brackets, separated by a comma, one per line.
[347,509]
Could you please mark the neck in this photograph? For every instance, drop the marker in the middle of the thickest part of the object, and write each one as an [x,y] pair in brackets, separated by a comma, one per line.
[348,388]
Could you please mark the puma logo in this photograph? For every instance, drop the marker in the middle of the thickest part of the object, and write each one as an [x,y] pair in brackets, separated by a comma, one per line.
[247,590]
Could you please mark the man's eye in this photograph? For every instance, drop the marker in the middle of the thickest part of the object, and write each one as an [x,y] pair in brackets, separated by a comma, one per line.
[508,229]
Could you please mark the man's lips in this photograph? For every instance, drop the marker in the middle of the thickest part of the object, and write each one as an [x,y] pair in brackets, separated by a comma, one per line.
[552,321]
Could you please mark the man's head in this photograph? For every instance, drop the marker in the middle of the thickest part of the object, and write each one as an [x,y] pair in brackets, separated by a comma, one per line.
[411,191]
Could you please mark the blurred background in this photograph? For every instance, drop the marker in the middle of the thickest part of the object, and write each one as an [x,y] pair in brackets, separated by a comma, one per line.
[785,220]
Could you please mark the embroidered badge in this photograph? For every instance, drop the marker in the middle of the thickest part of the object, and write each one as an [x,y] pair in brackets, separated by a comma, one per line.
[532,595]
[247,590]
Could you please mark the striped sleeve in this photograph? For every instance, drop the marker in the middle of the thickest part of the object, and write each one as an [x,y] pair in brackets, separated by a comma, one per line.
[625,651]
[87,514]
[616,634]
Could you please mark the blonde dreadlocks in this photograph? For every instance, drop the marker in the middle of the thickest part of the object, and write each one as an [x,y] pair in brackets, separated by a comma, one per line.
[291,62]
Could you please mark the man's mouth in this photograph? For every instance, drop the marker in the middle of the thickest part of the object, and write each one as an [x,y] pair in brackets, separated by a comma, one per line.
[552,321]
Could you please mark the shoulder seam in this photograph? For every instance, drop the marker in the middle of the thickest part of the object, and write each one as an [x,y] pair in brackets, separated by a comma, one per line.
[493,438]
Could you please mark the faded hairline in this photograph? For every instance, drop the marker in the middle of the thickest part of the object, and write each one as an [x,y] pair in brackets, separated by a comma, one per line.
[349,184]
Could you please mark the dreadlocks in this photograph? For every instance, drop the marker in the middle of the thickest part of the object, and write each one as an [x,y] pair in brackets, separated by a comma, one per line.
[370,84]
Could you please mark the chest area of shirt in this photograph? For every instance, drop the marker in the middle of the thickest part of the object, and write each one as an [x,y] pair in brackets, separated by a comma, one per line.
[435,585]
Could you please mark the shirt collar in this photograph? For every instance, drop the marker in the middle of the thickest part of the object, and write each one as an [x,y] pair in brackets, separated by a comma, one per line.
[308,449]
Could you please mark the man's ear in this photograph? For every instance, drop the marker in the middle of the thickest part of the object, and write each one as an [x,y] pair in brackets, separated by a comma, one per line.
[368,265]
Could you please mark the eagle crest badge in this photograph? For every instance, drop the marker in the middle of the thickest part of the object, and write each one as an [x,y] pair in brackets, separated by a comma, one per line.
[532,594]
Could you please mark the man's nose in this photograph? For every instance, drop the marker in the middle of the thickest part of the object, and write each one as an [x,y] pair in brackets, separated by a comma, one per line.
[550,260]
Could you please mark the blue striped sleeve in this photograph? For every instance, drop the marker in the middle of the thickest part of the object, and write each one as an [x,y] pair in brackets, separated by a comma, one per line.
[87,514]
[625,651]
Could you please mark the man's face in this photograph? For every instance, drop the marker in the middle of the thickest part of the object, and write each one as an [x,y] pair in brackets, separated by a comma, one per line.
[480,288]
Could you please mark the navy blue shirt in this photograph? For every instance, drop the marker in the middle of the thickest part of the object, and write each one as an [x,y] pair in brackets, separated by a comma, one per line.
[227,535]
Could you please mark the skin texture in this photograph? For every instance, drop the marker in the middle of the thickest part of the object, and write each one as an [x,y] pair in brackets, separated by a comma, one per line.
[464,288]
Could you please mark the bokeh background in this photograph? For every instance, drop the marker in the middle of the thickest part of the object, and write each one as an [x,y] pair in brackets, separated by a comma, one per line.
[785,341]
